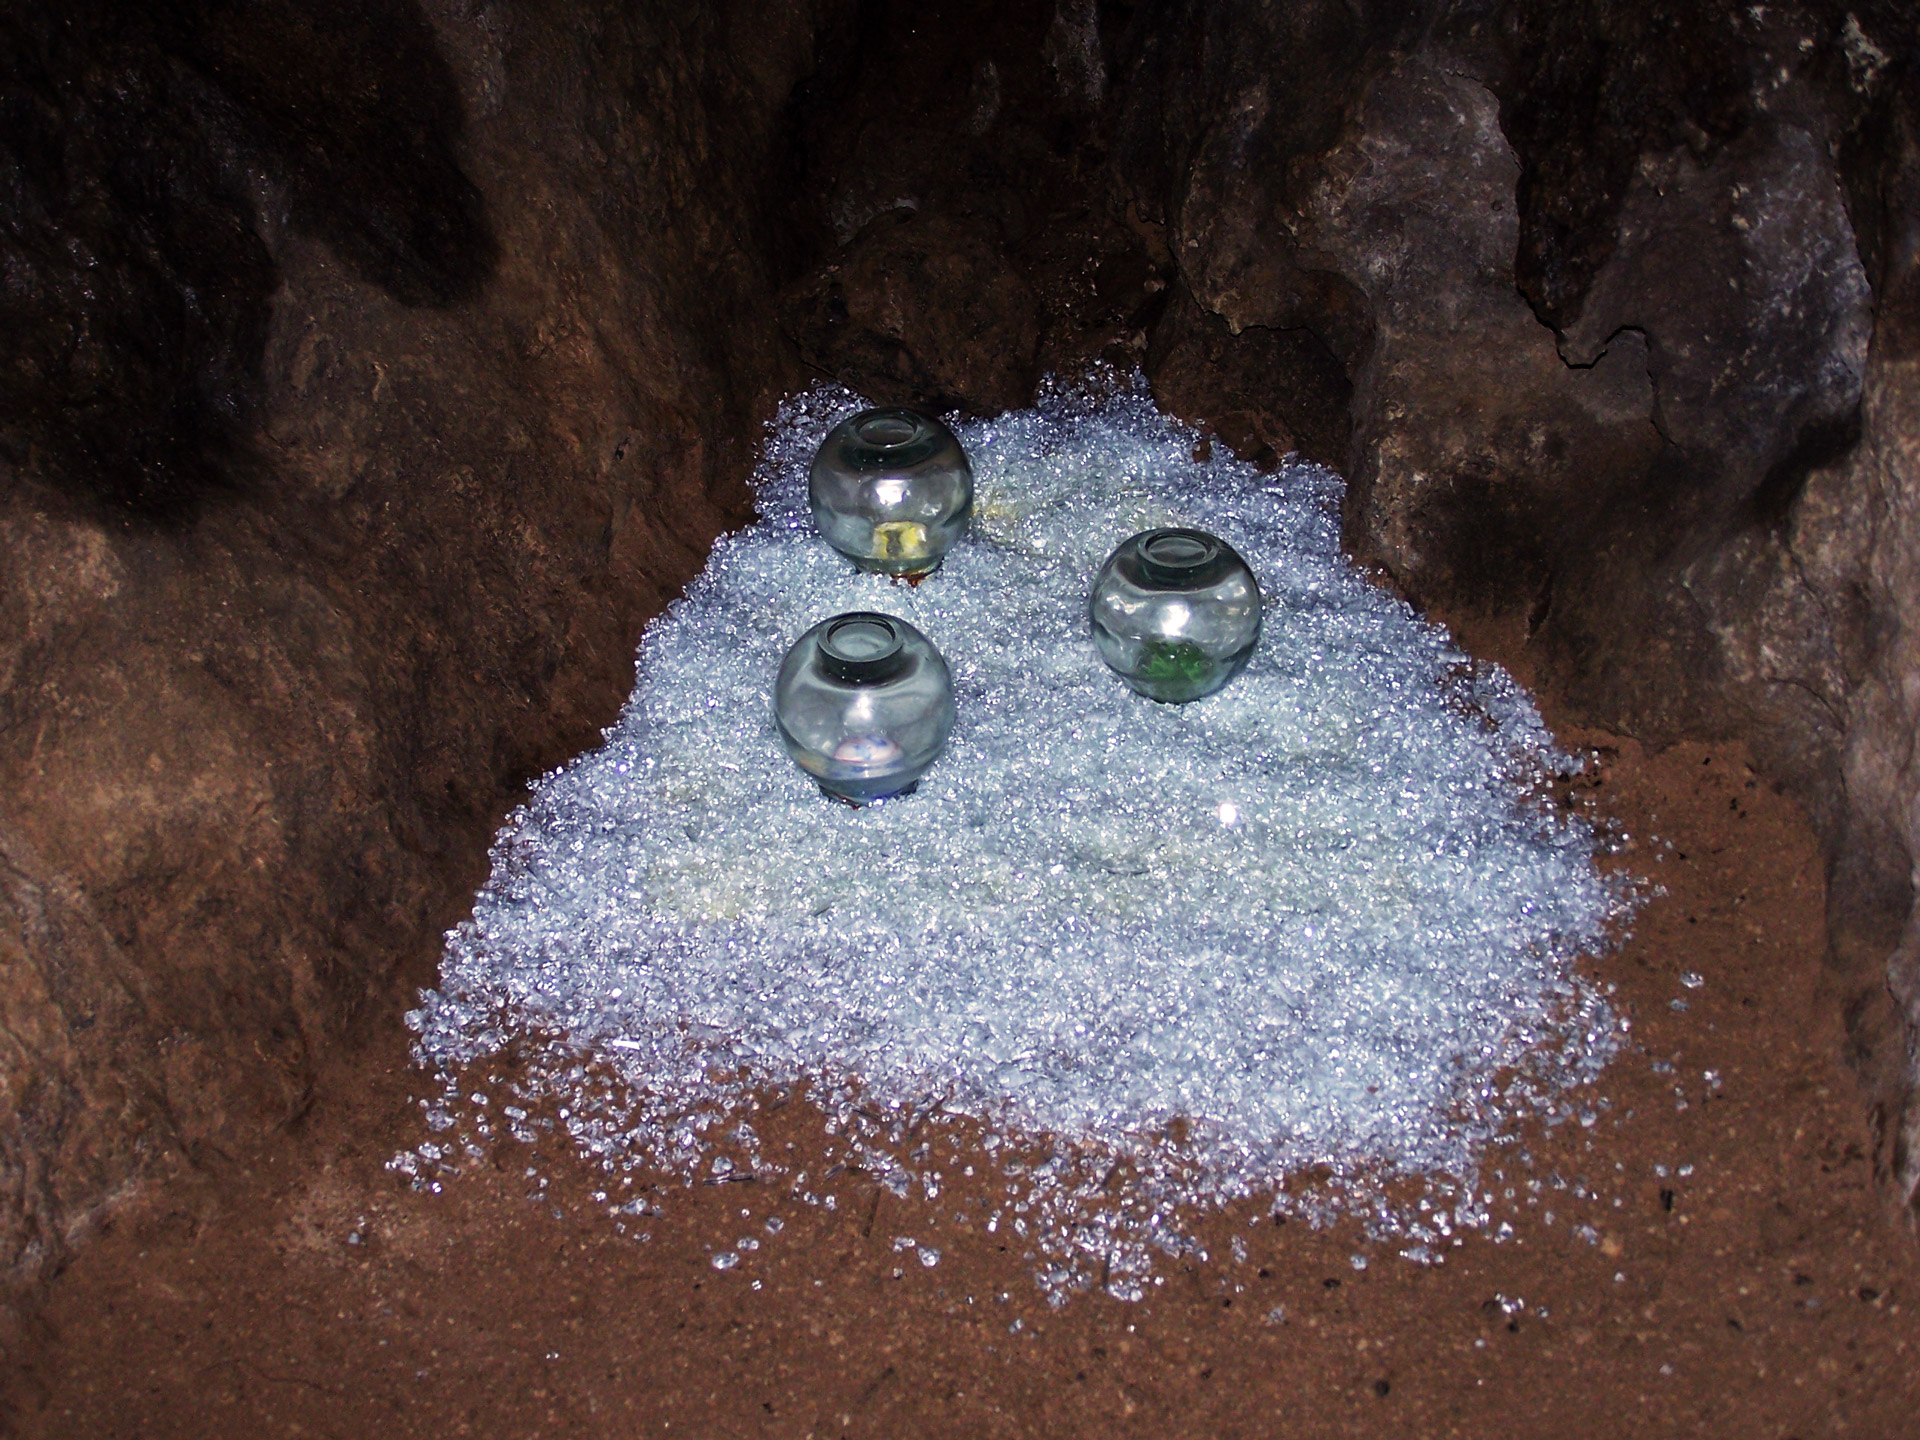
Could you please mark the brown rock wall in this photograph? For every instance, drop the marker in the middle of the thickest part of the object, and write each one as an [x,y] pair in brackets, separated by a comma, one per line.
[252,746]
[1625,296]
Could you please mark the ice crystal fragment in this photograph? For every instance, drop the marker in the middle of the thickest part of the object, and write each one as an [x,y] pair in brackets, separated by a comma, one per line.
[1169,956]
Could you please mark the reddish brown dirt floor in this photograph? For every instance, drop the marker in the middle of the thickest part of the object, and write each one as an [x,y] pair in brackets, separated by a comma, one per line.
[302,1290]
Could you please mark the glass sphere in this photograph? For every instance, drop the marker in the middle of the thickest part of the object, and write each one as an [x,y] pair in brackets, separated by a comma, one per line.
[1176,613]
[891,490]
[864,704]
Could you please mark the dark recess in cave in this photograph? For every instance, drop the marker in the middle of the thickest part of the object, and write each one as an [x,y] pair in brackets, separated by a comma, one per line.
[1589,88]
[144,151]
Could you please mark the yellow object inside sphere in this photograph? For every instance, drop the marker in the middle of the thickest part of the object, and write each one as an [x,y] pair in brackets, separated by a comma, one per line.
[899,540]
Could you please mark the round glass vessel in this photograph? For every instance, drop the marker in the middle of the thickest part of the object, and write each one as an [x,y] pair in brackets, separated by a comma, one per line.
[1176,613]
[891,490]
[864,704]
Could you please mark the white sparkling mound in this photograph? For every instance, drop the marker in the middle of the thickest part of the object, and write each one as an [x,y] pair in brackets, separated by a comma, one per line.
[1322,919]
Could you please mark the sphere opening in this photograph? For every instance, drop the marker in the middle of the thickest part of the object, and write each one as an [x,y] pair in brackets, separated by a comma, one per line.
[862,648]
[1176,555]
[886,430]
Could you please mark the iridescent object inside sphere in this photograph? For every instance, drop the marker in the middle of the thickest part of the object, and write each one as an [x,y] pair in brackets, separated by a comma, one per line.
[864,704]
[891,490]
[1176,613]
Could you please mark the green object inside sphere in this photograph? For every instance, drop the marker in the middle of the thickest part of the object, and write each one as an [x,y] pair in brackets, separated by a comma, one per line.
[1175,670]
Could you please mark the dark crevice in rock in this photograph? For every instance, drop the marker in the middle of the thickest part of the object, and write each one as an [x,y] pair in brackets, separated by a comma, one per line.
[1822,442]
[1268,391]
[144,151]
[1587,89]
[965,239]
[1880,167]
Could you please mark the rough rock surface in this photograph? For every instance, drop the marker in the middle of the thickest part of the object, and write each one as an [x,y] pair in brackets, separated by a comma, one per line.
[1267,391]
[1864,538]
[922,310]
[956,212]
[353,432]
[1625,296]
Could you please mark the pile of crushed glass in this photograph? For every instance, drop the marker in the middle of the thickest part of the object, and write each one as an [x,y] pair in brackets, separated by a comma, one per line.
[1147,868]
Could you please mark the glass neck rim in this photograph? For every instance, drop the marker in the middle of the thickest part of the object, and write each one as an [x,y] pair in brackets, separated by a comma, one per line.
[890,429]
[863,647]
[1178,556]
